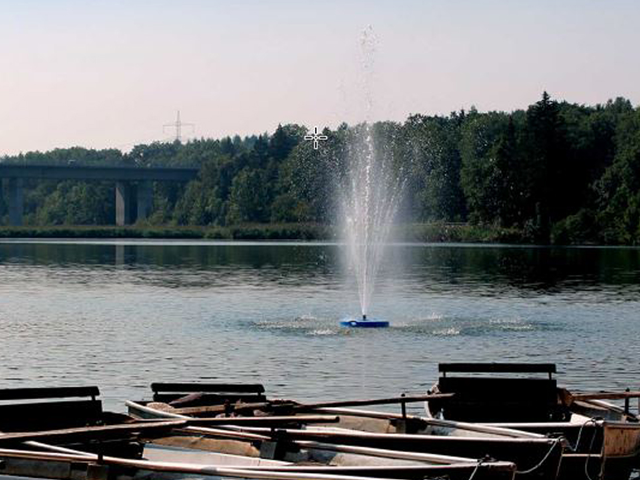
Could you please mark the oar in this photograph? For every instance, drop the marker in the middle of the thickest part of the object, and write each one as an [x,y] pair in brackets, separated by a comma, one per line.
[237,407]
[323,445]
[603,396]
[377,401]
[70,456]
[265,421]
[104,431]
[295,406]
[569,398]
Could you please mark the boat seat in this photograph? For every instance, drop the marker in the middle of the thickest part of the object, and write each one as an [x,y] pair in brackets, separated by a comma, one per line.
[481,399]
[63,407]
[208,393]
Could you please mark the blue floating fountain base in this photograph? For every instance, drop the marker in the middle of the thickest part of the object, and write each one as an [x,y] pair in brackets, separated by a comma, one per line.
[364,322]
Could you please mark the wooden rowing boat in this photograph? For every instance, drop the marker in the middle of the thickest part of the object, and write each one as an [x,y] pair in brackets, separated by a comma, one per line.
[75,465]
[169,447]
[603,440]
[535,455]
[170,441]
[63,409]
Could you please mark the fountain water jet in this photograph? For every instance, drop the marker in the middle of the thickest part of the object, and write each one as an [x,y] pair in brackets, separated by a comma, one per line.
[370,197]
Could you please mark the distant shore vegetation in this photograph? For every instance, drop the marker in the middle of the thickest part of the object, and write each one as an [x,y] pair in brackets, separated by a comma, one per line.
[429,232]
[556,172]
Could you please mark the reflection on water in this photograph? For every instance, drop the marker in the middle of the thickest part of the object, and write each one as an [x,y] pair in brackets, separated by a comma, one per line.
[124,314]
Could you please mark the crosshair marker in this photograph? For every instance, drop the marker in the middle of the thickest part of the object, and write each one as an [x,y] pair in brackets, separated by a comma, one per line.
[316,137]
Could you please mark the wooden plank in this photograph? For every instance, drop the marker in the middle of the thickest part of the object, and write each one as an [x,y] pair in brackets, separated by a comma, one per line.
[207,387]
[106,431]
[498,367]
[48,392]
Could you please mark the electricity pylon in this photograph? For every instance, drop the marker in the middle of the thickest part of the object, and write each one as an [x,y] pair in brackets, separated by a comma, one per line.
[178,124]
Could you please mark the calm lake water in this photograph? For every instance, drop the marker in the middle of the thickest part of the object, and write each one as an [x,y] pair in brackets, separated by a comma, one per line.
[124,314]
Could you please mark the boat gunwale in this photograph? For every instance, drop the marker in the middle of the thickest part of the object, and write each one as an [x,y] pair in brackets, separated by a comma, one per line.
[264,472]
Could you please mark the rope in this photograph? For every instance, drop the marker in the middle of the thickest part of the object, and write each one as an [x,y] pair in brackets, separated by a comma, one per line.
[586,463]
[594,421]
[591,420]
[475,470]
[540,463]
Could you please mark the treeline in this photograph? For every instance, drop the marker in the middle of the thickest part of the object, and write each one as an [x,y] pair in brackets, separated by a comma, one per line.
[556,172]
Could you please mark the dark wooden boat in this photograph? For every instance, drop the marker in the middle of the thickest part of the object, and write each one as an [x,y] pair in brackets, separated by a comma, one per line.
[81,439]
[177,449]
[535,455]
[66,408]
[24,409]
[603,440]
[238,448]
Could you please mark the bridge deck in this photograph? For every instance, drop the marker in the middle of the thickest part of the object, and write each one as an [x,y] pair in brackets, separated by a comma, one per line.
[73,172]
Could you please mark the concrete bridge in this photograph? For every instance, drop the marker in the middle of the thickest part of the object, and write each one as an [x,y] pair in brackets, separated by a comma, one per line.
[134,189]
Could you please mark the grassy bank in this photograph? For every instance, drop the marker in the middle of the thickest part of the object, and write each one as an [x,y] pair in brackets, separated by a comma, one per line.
[429,232]
[461,233]
[239,232]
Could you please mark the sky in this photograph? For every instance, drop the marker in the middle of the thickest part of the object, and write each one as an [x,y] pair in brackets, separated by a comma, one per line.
[111,73]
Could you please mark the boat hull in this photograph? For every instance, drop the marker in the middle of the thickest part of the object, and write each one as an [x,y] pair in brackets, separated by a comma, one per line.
[540,455]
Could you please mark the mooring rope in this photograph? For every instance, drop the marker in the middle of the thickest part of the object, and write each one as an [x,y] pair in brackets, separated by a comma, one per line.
[475,470]
[586,463]
[594,421]
[539,464]
[591,420]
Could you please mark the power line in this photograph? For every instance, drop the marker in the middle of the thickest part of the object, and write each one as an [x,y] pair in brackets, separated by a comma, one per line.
[178,124]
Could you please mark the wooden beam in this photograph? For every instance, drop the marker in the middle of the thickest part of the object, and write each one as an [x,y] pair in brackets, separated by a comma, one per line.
[498,367]
[48,392]
[375,401]
[265,421]
[236,407]
[107,431]
[603,396]
[158,387]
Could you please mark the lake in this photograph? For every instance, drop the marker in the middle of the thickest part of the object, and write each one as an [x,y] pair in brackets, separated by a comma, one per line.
[121,314]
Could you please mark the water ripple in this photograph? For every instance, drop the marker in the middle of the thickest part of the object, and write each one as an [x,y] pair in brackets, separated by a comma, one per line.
[124,315]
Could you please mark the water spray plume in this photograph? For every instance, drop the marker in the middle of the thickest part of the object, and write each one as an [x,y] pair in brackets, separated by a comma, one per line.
[371,193]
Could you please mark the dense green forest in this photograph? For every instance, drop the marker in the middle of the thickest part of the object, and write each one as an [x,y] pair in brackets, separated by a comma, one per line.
[556,172]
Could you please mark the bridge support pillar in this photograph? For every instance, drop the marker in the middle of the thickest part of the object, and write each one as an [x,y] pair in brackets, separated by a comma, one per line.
[123,203]
[16,201]
[145,197]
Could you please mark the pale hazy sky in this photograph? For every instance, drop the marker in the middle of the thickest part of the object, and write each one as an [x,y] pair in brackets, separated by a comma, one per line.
[111,73]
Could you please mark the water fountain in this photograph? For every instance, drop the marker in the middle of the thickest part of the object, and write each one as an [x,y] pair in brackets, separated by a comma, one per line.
[370,197]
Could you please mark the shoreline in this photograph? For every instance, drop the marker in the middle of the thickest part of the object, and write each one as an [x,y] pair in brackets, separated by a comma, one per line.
[431,233]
